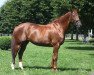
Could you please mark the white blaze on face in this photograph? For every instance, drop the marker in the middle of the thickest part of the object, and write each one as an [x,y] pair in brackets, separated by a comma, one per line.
[75,16]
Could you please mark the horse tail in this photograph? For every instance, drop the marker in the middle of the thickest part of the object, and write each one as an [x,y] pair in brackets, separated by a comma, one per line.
[14,49]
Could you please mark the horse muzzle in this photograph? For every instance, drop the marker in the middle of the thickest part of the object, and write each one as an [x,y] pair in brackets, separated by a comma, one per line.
[78,23]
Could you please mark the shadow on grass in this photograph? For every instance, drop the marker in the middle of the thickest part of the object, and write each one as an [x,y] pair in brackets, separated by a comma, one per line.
[77,43]
[81,48]
[6,50]
[73,69]
[71,40]
[59,69]
[37,67]
[92,55]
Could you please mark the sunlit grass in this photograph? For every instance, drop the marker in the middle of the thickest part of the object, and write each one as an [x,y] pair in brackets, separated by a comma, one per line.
[75,58]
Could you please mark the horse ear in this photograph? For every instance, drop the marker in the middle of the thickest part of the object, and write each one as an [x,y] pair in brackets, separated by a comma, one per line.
[74,10]
[71,10]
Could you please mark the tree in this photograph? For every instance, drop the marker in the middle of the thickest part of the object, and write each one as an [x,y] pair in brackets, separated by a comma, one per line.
[15,12]
[87,15]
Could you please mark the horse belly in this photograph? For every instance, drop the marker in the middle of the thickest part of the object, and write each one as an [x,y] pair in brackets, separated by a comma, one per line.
[42,40]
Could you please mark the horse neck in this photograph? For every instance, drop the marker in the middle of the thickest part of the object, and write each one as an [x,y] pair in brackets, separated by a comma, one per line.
[65,20]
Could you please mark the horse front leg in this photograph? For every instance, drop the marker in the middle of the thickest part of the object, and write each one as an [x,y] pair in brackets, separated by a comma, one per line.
[55,56]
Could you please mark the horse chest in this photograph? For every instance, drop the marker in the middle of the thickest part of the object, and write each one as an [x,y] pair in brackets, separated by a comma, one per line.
[57,37]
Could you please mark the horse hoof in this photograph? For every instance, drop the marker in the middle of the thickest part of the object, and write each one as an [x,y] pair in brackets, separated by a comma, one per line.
[54,69]
[21,68]
[12,66]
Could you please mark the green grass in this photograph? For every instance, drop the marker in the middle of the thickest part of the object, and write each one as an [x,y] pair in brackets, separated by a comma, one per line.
[75,58]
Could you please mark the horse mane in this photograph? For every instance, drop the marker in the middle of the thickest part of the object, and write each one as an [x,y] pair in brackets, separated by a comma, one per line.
[62,18]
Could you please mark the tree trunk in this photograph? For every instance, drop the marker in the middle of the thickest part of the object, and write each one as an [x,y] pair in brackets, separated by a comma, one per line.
[77,37]
[72,35]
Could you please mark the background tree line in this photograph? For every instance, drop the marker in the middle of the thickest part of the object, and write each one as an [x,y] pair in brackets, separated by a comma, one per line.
[14,12]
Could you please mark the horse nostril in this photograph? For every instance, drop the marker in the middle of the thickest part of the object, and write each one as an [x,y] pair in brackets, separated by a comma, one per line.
[80,24]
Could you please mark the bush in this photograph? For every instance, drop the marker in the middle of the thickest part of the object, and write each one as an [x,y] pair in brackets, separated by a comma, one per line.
[5,42]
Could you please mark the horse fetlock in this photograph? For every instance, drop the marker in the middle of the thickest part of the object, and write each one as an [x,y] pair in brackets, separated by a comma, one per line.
[54,68]
[13,66]
[20,65]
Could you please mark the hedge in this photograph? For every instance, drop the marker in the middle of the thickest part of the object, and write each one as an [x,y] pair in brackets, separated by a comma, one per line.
[91,40]
[5,42]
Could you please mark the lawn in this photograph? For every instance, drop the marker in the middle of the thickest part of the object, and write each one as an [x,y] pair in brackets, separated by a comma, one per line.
[75,58]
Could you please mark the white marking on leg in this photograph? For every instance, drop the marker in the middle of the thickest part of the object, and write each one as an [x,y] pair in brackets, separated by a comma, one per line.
[20,65]
[13,66]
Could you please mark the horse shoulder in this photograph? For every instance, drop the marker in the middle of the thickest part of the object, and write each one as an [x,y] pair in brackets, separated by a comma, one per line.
[56,34]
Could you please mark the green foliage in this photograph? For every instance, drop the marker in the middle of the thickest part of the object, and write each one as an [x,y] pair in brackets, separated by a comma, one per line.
[87,15]
[5,42]
[18,11]
[60,7]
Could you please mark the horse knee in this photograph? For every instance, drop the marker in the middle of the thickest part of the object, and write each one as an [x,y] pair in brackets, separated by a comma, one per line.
[54,58]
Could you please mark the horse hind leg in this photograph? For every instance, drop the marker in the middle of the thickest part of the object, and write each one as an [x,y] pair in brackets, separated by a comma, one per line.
[20,53]
[15,47]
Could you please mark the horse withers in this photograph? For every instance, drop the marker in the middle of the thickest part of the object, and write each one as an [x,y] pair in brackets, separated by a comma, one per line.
[52,34]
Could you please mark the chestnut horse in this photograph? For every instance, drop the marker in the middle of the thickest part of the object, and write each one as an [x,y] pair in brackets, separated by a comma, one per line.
[52,34]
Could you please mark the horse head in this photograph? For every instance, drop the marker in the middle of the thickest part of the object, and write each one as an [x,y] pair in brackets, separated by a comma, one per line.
[75,18]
